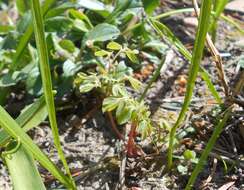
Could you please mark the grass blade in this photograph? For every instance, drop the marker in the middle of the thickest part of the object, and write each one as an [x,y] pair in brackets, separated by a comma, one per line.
[207,150]
[15,131]
[30,117]
[19,160]
[164,31]
[219,6]
[152,80]
[233,22]
[205,76]
[195,63]
[173,12]
[46,78]
[186,10]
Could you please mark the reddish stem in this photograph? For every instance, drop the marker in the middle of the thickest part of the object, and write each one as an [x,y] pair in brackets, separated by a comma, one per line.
[114,127]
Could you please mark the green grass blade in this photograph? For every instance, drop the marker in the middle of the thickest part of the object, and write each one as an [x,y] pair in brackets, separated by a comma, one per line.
[232,22]
[219,6]
[164,31]
[19,160]
[173,12]
[207,150]
[27,35]
[46,77]
[185,10]
[152,80]
[15,131]
[30,117]
[205,76]
[195,64]
[160,16]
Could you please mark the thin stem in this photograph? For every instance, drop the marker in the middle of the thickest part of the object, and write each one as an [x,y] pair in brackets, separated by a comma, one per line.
[207,150]
[152,80]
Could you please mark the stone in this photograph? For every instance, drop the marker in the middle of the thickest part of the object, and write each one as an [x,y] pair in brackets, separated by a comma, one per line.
[236,6]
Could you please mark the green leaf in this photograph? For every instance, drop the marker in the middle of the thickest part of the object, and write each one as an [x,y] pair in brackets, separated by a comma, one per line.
[114,46]
[86,87]
[110,103]
[14,130]
[70,68]
[27,35]
[164,31]
[150,5]
[131,55]
[123,113]
[144,128]
[58,23]
[102,53]
[80,25]
[30,117]
[136,84]
[218,8]
[120,8]
[18,159]
[59,10]
[103,32]
[5,29]
[67,45]
[81,16]
[205,76]
[23,6]
[11,79]
[119,90]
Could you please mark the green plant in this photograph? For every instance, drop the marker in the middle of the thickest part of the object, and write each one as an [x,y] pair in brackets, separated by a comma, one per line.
[15,131]
[18,160]
[110,82]
[75,48]
[30,117]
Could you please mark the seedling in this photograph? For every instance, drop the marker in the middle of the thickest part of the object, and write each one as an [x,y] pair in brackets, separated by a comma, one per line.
[110,81]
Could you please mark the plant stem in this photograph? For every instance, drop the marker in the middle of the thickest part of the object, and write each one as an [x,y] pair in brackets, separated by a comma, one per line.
[46,79]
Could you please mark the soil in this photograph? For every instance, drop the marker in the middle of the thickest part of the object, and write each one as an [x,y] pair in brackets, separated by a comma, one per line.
[93,150]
